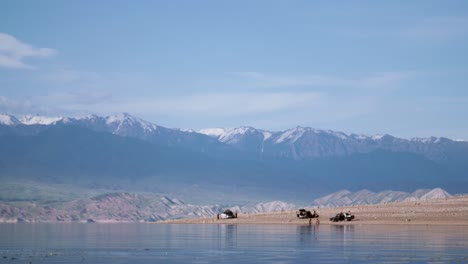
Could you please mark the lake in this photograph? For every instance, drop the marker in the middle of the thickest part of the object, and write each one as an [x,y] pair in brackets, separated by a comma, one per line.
[165,243]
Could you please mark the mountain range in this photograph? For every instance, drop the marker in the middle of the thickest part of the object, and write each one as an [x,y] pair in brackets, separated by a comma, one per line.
[126,153]
[300,143]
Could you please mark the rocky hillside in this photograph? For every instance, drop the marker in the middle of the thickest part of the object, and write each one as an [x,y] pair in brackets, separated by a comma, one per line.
[110,207]
[347,198]
[266,207]
[123,207]
[131,207]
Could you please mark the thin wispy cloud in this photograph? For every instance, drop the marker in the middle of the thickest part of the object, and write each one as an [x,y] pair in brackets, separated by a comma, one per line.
[439,27]
[20,106]
[220,105]
[73,103]
[81,99]
[411,29]
[70,75]
[375,80]
[13,52]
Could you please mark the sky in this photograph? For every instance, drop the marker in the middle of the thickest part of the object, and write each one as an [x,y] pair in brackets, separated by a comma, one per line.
[369,67]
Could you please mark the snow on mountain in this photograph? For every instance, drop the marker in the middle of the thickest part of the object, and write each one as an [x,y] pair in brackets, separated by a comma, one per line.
[186,130]
[9,120]
[124,122]
[377,137]
[300,143]
[230,135]
[308,143]
[213,132]
[267,135]
[429,140]
[291,135]
[347,198]
[40,120]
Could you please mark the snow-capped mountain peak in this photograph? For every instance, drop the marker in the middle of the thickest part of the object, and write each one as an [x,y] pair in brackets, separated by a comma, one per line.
[267,135]
[124,120]
[119,118]
[9,120]
[428,140]
[40,120]
[89,117]
[291,134]
[213,132]
[299,143]
[377,136]
[231,135]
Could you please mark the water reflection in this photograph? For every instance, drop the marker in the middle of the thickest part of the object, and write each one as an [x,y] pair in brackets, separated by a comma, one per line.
[343,231]
[149,243]
[230,235]
[306,234]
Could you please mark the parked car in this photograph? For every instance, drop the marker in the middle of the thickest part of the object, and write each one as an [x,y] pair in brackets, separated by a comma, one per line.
[342,217]
[227,214]
[303,214]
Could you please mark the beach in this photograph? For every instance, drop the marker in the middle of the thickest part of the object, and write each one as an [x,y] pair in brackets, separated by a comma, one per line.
[448,211]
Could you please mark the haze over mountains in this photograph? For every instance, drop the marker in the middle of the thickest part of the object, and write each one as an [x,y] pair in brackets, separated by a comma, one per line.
[123,152]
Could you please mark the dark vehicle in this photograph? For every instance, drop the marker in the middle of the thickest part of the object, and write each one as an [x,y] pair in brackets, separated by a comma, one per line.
[303,214]
[342,217]
[227,214]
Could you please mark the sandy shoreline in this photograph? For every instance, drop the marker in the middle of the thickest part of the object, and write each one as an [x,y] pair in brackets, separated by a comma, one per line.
[450,211]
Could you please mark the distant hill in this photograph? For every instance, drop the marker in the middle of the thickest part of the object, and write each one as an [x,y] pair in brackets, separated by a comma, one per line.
[347,198]
[118,207]
[146,207]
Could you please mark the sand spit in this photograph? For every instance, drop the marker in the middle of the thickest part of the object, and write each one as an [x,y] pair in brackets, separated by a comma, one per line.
[448,211]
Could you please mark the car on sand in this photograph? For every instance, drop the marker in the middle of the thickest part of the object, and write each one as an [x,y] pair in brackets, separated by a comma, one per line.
[303,214]
[227,214]
[342,217]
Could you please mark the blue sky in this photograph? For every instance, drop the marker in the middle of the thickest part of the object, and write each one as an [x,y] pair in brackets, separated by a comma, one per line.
[397,67]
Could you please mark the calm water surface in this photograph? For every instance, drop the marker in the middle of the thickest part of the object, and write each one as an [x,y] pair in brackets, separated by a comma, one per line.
[160,243]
